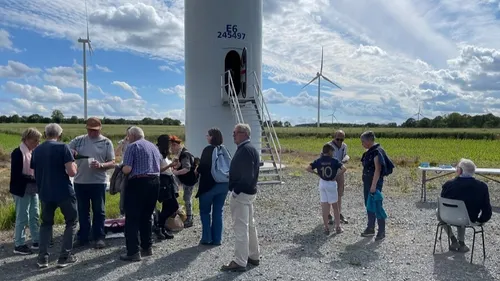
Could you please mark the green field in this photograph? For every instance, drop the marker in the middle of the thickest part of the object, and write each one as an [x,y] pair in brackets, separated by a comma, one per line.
[117,131]
[407,148]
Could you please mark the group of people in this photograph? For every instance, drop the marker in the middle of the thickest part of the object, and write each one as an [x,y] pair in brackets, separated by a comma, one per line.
[376,165]
[41,176]
[73,177]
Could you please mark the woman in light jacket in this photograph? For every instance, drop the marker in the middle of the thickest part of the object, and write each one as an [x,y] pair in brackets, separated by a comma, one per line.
[211,194]
[24,190]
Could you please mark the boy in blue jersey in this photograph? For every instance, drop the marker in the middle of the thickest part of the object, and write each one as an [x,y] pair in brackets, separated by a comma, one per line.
[328,168]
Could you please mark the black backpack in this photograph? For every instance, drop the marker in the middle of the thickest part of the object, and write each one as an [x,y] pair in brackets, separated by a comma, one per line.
[388,168]
[190,178]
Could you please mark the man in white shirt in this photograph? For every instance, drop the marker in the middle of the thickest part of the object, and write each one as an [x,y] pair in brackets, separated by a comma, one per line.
[339,153]
[96,155]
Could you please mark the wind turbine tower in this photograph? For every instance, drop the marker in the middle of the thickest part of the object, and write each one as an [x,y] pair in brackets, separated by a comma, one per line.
[418,114]
[318,76]
[84,42]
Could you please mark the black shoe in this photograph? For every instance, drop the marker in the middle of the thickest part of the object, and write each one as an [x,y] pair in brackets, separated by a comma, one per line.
[188,222]
[380,236]
[147,252]
[65,261]
[159,233]
[23,250]
[343,220]
[132,258]
[43,261]
[99,244]
[35,246]
[369,232]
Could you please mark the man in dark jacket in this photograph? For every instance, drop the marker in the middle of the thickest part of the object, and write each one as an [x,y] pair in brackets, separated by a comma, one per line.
[475,195]
[243,176]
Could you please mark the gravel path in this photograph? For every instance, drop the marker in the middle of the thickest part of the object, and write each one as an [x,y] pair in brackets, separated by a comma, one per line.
[293,245]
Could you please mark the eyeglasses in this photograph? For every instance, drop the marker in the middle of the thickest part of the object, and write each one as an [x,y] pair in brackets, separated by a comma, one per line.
[339,139]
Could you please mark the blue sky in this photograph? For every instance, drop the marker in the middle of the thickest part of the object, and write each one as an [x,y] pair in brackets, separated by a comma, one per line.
[388,56]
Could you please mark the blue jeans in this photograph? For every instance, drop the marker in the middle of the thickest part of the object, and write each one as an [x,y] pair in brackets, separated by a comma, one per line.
[213,202]
[94,194]
[27,213]
[367,183]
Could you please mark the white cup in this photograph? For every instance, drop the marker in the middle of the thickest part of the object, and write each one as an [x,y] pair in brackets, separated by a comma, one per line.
[90,161]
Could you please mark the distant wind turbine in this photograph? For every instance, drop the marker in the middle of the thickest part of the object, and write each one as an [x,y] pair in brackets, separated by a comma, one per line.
[318,76]
[418,114]
[333,116]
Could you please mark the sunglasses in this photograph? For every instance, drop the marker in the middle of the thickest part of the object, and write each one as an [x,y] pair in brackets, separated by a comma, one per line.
[339,139]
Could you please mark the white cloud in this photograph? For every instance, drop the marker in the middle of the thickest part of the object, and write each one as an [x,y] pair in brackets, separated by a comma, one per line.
[103,68]
[15,69]
[127,88]
[6,42]
[383,54]
[178,90]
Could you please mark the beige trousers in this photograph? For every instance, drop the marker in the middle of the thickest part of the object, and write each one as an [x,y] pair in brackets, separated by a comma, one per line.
[245,231]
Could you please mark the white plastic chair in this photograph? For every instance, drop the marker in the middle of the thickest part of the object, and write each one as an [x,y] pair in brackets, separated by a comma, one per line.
[454,213]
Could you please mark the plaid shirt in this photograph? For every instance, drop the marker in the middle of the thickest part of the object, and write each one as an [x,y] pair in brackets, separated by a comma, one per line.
[144,158]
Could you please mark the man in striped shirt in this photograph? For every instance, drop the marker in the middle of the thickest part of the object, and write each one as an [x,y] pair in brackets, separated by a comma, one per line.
[339,153]
[141,163]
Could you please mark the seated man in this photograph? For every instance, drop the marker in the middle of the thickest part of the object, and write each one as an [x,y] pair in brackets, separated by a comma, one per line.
[475,195]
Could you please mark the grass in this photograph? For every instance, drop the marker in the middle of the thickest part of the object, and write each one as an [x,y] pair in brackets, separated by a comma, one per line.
[409,152]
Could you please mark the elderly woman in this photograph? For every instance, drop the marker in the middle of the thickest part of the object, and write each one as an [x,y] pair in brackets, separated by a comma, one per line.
[24,190]
[211,194]
[184,171]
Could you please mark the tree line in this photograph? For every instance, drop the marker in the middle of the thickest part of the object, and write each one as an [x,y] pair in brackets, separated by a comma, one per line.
[58,117]
[453,120]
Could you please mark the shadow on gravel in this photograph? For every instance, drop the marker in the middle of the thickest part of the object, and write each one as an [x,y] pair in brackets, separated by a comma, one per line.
[167,265]
[23,269]
[308,244]
[426,205]
[226,276]
[455,266]
[360,253]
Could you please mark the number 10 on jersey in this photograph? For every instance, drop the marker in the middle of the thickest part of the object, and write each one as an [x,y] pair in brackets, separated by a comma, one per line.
[326,172]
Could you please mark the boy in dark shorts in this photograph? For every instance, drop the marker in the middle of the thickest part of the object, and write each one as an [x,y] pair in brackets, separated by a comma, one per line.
[328,168]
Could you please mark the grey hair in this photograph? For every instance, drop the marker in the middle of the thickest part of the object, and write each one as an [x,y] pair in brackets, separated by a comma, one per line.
[244,128]
[53,130]
[368,136]
[136,131]
[468,167]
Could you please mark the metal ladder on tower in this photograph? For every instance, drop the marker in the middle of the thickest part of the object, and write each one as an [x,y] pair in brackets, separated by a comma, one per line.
[255,109]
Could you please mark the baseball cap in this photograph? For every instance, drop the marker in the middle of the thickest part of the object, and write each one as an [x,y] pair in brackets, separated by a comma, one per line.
[93,123]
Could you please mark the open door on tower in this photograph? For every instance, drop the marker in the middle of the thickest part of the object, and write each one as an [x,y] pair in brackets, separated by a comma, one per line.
[232,62]
[243,73]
